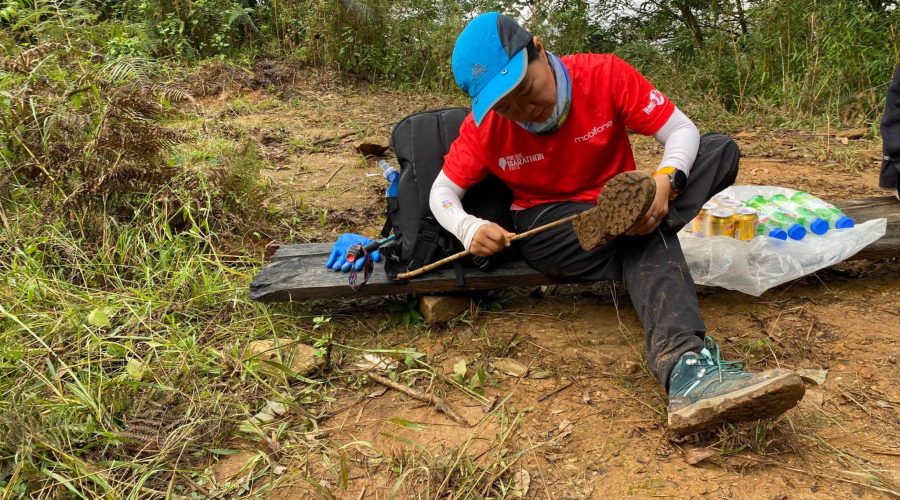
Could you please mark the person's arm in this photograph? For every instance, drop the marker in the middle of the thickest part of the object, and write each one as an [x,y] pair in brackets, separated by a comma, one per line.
[478,236]
[681,140]
[445,201]
[648,111]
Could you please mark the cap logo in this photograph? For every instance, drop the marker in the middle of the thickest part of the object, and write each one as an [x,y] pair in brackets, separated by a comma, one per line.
[478,70]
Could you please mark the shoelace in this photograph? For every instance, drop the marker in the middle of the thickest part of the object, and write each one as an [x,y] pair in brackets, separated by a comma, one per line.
[718,362]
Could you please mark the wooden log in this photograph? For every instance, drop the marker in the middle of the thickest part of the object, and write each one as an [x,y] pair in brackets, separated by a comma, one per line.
[887,207]
[297,272]
[300,274]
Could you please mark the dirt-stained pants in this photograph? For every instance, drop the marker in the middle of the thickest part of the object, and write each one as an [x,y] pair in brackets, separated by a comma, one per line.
[652,267]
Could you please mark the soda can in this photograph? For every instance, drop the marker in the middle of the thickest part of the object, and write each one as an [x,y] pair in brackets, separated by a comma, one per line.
[720,222]
[698,225]
[745,221]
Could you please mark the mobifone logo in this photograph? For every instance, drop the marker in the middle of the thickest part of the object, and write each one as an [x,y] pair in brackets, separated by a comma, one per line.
[594,132]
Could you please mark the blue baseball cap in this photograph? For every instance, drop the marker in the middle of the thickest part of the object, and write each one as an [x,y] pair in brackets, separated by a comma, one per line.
[490,59]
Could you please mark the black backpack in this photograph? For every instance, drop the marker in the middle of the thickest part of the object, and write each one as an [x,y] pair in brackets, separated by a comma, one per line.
[420,142]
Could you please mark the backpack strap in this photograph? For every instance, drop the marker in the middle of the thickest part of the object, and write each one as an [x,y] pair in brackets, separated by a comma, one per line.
[430,240]
[426,243]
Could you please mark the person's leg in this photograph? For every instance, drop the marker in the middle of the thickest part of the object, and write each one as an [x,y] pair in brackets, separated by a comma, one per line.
[654,272]
[662,291]
[715,169]
[890,136]
[556,252]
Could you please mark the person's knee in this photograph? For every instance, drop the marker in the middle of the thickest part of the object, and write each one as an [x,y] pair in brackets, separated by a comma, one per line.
[726,150]
[731,155]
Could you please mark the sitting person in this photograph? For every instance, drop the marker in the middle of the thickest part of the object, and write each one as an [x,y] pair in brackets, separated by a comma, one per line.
[890,136]
[554,129]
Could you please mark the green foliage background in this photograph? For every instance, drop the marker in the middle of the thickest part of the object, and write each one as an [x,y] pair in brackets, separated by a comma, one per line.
[803,59]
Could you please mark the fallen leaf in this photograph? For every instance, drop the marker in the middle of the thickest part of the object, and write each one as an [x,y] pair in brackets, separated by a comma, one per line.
[262,417]
[511,367]
[540,374]
[521,481]
[375,362]
[370,150]
[565,428]
[135,369]
[276,408]
[696,455]
[459,368]
[813,375]
[377,392]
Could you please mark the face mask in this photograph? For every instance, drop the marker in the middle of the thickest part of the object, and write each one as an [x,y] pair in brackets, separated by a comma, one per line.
[563,100]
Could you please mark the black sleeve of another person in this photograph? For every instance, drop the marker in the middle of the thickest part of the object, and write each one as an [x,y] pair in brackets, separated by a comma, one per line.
[890,134]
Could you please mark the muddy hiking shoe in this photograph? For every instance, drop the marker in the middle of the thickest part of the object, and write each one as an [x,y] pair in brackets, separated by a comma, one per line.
[624,199]
[705,391]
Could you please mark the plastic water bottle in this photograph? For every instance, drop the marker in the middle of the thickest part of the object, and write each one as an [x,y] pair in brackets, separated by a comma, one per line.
[392,176]
[768,227]
[771,216]
[809,219]
[835,217]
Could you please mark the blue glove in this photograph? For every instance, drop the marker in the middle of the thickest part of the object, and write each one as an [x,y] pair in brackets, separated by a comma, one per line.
[337,261]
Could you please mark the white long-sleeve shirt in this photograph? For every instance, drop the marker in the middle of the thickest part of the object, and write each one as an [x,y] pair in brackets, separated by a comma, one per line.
[678,135]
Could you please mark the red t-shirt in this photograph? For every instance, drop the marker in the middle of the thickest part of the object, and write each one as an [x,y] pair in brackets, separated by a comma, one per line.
[574,162]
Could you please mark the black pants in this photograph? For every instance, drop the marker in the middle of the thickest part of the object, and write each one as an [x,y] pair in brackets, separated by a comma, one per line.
[652,267]
[890,135]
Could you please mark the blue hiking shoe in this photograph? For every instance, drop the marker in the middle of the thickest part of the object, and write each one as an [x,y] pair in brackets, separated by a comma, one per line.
[705,391]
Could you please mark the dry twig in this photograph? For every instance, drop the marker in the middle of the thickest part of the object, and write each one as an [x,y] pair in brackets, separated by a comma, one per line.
[431,399]
[554,392]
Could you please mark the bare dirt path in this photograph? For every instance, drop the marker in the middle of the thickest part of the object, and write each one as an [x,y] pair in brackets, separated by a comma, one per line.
[588,421]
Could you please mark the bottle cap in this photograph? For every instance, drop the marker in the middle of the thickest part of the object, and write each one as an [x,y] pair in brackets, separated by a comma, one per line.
[844,223]
[819,226]
[796,232]
[778,233]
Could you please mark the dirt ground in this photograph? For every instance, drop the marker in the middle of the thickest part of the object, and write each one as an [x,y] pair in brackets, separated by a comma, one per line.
[588,420]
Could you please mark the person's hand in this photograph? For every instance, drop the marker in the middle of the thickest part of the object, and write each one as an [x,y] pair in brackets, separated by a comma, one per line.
[658,210]
[490,239]
[337,261]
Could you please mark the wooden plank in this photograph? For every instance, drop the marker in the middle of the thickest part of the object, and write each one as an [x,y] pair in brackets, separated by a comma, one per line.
[297,272]
[305,277]
[886,207]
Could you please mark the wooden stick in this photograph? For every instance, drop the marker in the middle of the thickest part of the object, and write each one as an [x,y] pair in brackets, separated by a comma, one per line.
[554,392]
[438,403]
[457,256]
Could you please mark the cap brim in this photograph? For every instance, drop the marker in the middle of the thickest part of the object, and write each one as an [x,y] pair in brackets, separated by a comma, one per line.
[505,81]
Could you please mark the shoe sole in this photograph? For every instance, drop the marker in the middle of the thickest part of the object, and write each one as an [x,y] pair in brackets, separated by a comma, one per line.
[767,399]
[624,199]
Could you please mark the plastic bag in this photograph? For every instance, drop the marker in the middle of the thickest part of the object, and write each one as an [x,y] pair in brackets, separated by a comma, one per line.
[754,266]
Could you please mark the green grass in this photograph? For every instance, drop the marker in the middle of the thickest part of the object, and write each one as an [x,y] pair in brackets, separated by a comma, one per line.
[142,324]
